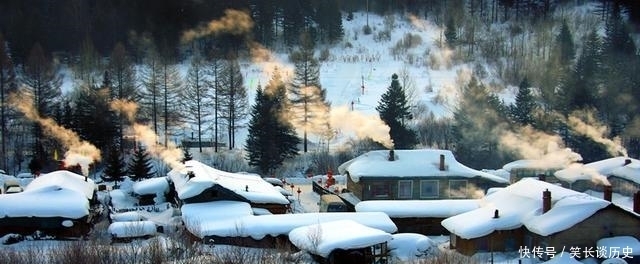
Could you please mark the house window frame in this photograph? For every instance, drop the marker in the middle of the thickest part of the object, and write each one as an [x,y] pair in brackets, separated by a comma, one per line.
[451,192]
[383,185]
[437,189]
[410,195]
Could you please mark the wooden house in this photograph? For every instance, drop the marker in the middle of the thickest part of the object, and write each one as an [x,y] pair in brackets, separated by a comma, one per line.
[529,168]
[419,216]
[197,183]
[533,213]
[151,191]
[421,174]
[57,203]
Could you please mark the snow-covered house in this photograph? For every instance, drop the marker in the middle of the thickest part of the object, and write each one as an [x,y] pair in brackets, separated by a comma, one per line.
[56,203]
[238,225]
[419,216]
[151,191]
[622,173]
[530,168]
[342,241]
[420,174]
[197,182]
[533,213]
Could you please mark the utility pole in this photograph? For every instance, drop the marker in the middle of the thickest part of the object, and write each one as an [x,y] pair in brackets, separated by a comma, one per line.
[367,13]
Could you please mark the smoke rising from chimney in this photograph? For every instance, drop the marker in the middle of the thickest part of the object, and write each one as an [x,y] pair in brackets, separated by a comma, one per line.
[362,125]
[234,22]
[579,171]
[589,127]
[79,152]
[170,154]
[541,147]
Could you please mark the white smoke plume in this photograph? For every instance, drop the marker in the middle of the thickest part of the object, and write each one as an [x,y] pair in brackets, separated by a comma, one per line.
[589,127]
[170,154]
[540,147]
[579,171]
[362,125]
[234,22]
[79,152]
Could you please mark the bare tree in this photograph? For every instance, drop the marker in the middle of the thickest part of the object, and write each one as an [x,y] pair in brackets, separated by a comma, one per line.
[234,98]
[195,96]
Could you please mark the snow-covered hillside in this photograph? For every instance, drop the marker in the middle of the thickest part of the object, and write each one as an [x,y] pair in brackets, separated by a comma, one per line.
[369,61]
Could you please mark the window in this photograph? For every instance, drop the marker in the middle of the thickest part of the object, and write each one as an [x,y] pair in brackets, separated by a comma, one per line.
[429,189]
[379,190]
[405,189]
[458,188]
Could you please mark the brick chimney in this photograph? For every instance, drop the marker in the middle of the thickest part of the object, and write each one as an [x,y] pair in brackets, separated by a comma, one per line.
[392,155]
[441,167]
[542,177]
[546,201]
[608,192]
[636,202]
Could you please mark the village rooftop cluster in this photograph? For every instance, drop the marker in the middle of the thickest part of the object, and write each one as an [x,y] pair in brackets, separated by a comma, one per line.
[394,206]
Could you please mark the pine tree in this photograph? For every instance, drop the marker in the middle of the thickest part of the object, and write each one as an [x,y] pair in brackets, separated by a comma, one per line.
[523,109]
[93,118]
[308,98]
[564,45]
[451,33]
[186,154]
[478,113]
[115,168]
[580,89]
[394,111]
[140,166]
[7,86]
[43,82]
[272,139]
[329,21]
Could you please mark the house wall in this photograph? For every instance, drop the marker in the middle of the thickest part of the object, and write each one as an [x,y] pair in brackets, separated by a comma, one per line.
[624,186]
[429,226]
[215,193]
[368,188]
[48,225]
[498,241]
[355,188]
[608,222]
[519,173]
[273,208]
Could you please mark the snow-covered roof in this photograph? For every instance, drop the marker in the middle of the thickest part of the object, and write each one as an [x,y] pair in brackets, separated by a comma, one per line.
[619,243]
[616,166]
[419,208]
[532,164]
[521,204]
[132,229]
[235,219]
[250,186]
[407,247]
[151,186]
[47,201]
[410,163]
[64,179]
[323,238]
